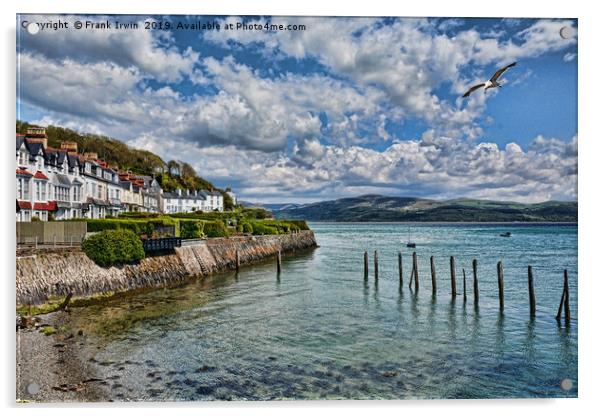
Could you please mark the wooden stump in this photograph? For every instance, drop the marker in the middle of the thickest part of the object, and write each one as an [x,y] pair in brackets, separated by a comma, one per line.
[415,270]
[400,264]
[475,281]
[433,275]
[464,284]
[375,265]
[452,268]
[531,292]
[567,309]
[500,284]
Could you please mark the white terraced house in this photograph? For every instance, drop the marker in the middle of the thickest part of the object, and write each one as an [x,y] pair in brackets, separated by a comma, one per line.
[63,184]
[192,201]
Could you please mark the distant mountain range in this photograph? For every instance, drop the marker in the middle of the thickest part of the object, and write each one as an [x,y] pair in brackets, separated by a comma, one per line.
[375,208]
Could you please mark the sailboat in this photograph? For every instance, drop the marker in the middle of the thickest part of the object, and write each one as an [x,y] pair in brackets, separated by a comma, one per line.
[410,243]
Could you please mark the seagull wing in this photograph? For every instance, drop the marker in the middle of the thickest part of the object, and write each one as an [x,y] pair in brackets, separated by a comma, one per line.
[499,72]
[473,88]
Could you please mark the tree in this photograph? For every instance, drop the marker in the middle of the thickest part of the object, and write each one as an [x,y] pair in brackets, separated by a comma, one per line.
[187,171]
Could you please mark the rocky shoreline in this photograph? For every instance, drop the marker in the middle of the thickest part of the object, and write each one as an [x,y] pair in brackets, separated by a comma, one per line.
[53,362]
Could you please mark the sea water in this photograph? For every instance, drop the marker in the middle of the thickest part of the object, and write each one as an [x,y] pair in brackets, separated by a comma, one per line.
[320,331]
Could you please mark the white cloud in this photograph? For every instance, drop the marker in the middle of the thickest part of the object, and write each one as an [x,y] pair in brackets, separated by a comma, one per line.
[439,167]
[151,52]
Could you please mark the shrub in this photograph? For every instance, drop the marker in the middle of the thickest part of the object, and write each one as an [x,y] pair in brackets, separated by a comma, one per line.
[262,228]
[111,247]
[191,228]
[215,229]
[300,224]
[247,227]
[35,219]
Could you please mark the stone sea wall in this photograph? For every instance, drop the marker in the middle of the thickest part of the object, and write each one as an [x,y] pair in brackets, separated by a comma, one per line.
[45,274]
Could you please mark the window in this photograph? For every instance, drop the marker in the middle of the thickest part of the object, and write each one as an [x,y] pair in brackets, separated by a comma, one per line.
[23,156]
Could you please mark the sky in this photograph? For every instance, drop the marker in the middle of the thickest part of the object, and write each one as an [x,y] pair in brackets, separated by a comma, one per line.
[345,107]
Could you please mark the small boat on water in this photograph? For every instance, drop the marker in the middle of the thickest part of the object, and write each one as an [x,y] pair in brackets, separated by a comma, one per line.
[506,234]
[410,243]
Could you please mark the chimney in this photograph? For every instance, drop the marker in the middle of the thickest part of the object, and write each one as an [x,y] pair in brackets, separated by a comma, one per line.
[179,192]
[70,147]
[37,134]
[91,155]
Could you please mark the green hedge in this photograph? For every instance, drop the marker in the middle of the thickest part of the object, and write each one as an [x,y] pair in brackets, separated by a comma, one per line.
[216,229]
[247,227]
[191,228]
[151,227]
[112,247]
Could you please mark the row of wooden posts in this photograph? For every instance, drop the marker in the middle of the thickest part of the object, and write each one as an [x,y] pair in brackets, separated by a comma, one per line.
[564,301]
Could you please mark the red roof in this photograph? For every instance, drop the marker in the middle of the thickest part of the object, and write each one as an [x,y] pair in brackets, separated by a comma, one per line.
[40,175]
[24,204]
[23,172]
[45,206]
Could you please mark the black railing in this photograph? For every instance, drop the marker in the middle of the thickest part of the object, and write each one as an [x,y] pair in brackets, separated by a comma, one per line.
[161,244]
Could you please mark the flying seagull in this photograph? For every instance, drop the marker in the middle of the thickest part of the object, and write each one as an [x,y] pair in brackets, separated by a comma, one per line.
[492,83]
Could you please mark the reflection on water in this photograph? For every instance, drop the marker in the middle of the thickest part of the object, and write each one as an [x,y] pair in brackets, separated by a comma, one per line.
[319,330]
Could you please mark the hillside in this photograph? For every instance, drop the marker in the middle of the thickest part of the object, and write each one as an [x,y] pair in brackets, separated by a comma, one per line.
[171,175]
[375,208]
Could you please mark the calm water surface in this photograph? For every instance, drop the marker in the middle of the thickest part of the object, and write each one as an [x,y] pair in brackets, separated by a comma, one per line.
[319,331]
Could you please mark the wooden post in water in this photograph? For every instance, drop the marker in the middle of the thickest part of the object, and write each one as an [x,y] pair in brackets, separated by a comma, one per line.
[237,260]
[415,269]
[433,275]
[531,292]
[400,264]
[375,265]
[475,281]
[500,284]
[464,284]
[279,262]
[567,309]
[365,265]
[559,314]
[452,268]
